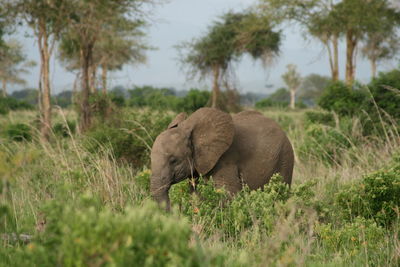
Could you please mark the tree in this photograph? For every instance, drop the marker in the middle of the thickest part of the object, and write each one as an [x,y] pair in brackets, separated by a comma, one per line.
[13,63]
[225,42]
[315,17]
[382,41]
[123,45]
[358,18]
[312,88]
[212,55]
[293,81]
[328,20]
[323,26]
[46,18]
[115,51]
[88,22]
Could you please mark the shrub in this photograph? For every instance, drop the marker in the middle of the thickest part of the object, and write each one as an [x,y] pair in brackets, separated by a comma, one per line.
[18,132]
[384,90]
[80,234]
[154,98]
[210,206]
[353,237]
[316,117]
[63,129]
[339,98]
[324,143]
[102,106]
[130,138]
[268,103]
[9,103]
[376,196]
[194,100]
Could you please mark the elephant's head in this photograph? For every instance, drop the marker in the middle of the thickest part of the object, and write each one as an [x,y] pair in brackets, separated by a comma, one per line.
[192,145]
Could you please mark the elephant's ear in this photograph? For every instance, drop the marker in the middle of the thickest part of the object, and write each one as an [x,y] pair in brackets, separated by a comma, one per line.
[178,119]
[212,134]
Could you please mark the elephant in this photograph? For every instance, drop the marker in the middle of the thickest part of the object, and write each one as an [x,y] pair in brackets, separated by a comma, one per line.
[234,150]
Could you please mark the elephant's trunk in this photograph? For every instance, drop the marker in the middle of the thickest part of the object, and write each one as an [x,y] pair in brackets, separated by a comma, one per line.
[159,192]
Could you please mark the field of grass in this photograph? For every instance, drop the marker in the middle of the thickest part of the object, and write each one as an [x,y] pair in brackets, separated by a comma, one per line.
[83,200]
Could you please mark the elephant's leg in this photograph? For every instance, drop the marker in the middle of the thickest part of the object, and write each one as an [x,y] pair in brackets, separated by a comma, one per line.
[227,176]
[286,163]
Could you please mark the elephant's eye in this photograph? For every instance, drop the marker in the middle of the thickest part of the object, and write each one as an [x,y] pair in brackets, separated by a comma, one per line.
[173,160]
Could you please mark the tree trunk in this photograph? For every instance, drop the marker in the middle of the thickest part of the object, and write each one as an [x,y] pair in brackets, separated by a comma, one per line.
[104,77]
[331,65]
[4,87]
[45,107]
[92,78]
[292,98]
[75,89]
[351,43]
[335,71]
[85,117]
[373,67]
[215,93]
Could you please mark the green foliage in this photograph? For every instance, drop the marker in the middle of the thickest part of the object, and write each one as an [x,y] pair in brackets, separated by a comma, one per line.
[165,99]
[28,95]
[385,92]
[130,136]
[9,103]
[376,196]
[331,216]
[268,103]
[151,97]
[64,129]
[316,117]
[142,179]
[226,40]
[209,205]
[353,237]
[324,143]
[312,88]
[81,234]
[18,132]
[63,99]
[279,99]
[103,107]
[377,109]
[194,100]
[341,99]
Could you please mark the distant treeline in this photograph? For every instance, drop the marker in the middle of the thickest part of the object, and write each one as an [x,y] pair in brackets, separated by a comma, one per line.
[144,96]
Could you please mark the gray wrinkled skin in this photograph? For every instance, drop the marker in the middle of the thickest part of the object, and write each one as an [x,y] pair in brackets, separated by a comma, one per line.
[245,148]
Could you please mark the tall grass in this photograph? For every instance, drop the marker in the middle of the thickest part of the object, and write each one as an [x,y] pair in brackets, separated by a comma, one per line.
[300,229]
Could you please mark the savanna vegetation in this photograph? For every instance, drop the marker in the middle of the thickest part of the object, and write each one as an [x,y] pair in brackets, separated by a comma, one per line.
[75,170]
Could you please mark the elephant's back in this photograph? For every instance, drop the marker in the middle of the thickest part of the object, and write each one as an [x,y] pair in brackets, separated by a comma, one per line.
[259,143]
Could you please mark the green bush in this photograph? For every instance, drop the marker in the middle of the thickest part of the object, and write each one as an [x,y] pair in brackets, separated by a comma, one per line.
[81,234]
[18,132]
[154,98]
[384,90]
[353,237]
[9,103]
[324,143]
[102,106]
[316,117]
[194,100]
[269,103]
[209,205]
[376,196]
[341,99]
[130,137]
[64,129]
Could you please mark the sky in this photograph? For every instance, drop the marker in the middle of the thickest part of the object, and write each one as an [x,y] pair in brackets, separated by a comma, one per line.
[178,21]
